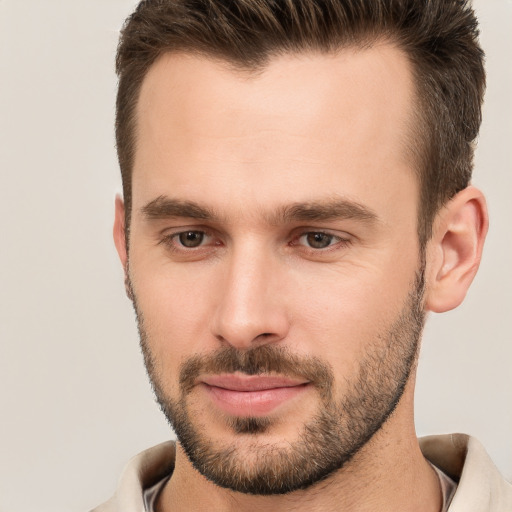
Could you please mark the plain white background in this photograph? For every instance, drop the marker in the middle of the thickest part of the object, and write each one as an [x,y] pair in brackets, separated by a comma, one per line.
[74,400]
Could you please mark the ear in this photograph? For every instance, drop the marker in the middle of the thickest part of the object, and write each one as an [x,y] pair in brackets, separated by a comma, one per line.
[455,249]
[119,233]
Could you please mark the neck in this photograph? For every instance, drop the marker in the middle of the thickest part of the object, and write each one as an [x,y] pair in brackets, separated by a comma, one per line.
[389,473]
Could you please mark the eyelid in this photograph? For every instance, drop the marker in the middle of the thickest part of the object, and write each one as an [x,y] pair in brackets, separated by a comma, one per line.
[168,237]
[342,235]
[343,239]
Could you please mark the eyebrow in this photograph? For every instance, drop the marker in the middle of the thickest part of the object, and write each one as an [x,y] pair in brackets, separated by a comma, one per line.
[164,207]
[167,208]
[326,211]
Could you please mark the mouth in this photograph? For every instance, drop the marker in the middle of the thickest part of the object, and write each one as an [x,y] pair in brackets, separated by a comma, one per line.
[251,395]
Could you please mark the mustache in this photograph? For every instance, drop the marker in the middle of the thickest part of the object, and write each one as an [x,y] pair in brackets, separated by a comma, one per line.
[260,360]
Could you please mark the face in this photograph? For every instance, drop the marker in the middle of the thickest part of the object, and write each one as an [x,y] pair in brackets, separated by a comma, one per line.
[274,260]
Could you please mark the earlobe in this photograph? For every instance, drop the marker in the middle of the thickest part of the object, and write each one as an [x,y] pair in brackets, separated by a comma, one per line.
[456,249]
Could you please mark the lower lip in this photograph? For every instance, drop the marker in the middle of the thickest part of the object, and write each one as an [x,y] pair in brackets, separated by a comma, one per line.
[252,403]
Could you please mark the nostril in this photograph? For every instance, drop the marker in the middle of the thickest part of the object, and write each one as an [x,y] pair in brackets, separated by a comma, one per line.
[264,336]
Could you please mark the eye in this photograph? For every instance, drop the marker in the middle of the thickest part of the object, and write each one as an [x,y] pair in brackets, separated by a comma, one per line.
[190,239]
[190,244]
[318,239]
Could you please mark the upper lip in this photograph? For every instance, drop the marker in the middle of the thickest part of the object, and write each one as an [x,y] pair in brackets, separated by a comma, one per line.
[241,382]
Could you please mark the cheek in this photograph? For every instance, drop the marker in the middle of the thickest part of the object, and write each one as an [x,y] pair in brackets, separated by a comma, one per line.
[174,305]
[346,313]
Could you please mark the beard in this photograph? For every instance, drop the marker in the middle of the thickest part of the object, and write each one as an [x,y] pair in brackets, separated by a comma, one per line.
[327,442]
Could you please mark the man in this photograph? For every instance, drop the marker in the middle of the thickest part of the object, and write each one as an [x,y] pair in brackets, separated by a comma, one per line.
[297,198]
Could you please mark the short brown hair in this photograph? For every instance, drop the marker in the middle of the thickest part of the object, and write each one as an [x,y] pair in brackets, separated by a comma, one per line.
[440,38]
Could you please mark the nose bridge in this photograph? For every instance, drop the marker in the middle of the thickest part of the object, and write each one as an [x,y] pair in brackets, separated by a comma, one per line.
[249,312]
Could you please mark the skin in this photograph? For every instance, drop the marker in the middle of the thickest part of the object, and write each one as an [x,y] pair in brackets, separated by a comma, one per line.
[308,129]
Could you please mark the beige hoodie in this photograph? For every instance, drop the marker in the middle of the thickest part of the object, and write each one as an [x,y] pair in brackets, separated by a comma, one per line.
[481,488]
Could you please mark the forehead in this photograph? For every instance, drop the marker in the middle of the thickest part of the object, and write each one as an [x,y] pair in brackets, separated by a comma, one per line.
[304,122]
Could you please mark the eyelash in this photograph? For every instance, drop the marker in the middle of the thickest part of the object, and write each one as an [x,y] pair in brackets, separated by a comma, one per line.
[339,242]
[170,241]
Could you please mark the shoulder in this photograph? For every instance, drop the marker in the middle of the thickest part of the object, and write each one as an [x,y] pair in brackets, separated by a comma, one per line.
[481,487]
[141,472]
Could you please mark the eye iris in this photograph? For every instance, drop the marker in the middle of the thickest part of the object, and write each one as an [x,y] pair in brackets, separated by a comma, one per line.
[191,238]
[319,240]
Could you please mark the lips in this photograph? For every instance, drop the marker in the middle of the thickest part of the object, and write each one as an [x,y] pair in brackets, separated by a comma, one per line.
[251,395]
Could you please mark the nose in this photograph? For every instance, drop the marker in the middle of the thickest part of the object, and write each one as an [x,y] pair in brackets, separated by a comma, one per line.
[252,306]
